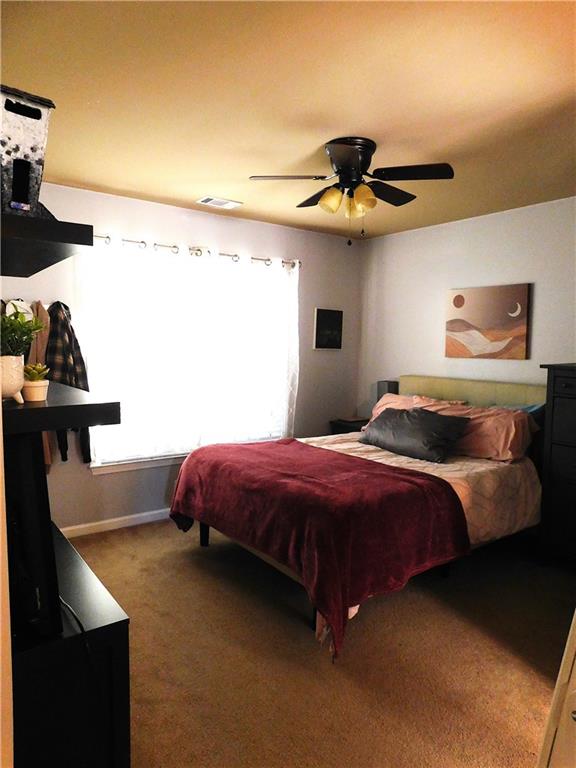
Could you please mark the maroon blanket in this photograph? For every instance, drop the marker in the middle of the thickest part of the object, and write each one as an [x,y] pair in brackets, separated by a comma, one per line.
[349,527]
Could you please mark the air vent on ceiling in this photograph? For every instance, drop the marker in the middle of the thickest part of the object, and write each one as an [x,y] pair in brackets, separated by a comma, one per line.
[219,202]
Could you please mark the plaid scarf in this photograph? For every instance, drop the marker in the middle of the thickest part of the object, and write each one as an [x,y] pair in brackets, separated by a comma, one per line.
[63,355]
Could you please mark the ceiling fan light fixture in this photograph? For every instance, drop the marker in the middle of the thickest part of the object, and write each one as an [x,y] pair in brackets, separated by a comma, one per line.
[365,197]
[331,199]
[353,210]
[350,158]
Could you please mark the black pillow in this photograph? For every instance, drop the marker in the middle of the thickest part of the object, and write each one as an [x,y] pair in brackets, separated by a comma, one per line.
[417,432]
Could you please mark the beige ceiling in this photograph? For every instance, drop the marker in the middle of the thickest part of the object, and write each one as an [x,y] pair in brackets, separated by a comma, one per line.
[173,101]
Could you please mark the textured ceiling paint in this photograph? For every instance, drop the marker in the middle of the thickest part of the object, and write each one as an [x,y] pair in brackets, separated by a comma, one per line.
[172,101]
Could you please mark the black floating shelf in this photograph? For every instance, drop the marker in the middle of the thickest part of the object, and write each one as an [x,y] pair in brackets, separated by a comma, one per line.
[29,245]
[65,408]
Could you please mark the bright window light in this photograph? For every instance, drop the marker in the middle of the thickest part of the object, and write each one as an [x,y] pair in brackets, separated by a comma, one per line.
[197,350]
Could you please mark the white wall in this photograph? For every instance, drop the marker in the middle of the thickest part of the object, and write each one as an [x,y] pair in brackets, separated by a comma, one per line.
[406,277]
[399,280]
[329,278]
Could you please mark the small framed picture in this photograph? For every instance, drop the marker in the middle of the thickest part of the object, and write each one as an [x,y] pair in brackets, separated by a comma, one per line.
[328,328]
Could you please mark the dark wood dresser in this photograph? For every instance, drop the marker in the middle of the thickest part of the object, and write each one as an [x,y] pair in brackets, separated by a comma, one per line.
[71,691]
[70,664]
[559,466]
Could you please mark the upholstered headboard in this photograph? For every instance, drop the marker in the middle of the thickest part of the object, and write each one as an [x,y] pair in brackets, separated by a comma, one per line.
[474,391]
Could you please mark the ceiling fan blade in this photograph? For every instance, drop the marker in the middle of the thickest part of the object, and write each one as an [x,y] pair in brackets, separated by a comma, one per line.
[414,172]
[312,200]
[282,178]
[389,194]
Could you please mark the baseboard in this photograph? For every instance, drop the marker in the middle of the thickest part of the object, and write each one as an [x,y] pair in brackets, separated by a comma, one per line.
[112,523]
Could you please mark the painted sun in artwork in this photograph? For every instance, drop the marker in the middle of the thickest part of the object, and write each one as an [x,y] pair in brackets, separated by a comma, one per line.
[489,322]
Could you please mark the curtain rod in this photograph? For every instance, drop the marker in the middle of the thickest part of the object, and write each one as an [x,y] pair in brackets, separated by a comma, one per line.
[199,251]
[195,250]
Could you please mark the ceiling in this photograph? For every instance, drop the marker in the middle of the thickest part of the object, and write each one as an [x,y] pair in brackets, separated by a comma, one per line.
[172,101]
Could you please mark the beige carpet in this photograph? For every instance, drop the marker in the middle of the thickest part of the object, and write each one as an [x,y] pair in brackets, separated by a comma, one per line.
[451,672]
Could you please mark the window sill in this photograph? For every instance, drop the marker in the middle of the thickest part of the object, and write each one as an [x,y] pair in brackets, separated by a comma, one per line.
[136,464]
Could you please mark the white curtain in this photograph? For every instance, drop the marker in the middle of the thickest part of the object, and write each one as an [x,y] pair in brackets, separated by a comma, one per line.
[197,349]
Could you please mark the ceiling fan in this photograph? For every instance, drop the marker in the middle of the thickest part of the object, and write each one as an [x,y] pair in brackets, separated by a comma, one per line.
[350,158]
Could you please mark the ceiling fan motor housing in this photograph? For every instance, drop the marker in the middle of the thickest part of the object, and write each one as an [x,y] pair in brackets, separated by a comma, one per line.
[350,157]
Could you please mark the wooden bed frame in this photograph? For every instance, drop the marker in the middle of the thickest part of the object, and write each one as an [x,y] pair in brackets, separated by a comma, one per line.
[475,391]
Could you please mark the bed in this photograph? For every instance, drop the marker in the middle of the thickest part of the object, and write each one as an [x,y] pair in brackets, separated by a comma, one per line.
[350,520]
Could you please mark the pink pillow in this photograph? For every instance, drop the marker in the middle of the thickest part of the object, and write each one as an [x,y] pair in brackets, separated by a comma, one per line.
[492,433]
[407,402]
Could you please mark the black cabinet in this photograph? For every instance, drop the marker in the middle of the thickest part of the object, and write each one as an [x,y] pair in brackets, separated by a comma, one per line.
[70,663]
[340,426]
[71,691]
[34,605]
[559,470]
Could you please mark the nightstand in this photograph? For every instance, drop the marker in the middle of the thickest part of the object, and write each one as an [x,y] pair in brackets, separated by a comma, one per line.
[559,470]
[340,426]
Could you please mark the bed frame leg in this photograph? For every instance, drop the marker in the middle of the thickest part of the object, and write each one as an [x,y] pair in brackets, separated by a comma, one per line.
[204,535]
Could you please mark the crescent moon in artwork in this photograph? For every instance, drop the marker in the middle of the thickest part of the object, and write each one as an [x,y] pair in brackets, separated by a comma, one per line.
[516,311]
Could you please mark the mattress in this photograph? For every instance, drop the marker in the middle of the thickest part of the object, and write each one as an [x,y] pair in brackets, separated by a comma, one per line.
[498,498]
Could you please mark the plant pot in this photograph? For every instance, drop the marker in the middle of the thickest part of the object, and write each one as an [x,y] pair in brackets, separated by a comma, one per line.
[33,391]
[12,370]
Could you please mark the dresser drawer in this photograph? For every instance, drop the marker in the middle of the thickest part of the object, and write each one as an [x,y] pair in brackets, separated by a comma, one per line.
[565,385]
[564,462]
[564,420]
[564,493]
[560,514]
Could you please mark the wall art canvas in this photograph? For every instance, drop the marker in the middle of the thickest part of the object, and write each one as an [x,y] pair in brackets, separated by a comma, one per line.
[328,329]
[488,322]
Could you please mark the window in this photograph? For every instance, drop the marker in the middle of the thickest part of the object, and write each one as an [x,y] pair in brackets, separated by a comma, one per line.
[198,349]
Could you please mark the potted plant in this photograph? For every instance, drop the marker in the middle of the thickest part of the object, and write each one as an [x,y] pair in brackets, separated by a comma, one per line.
[35,382]
[16,334]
